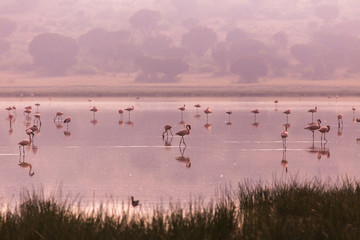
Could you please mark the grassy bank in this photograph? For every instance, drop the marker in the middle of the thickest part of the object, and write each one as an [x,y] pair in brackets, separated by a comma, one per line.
[308,210]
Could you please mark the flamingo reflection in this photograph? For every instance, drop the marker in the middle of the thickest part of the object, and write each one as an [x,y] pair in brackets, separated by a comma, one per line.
[67,134]
[182,158]
[26,165]
[130,123]
[284,162]
[167,141]
[340,131]
[323,151]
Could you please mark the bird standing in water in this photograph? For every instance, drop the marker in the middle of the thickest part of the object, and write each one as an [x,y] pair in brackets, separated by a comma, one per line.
[183,133]
[167,128]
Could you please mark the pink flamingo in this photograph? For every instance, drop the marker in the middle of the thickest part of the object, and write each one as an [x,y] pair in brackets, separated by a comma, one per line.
[287,112]
[255,112]
[167,128]
[58,116]
[229,112]
[312,111]
[207,111]
[129,109]
[183,133]
[324,130]
[67,120]
[339,117]
[284,136]
[25,142]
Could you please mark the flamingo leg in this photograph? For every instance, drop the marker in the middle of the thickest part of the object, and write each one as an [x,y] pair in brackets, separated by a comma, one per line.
[171,133]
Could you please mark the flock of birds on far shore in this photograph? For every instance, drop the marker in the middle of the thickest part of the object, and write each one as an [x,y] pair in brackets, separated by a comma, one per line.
[313,127]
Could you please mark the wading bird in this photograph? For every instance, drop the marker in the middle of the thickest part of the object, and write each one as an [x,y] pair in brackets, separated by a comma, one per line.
[167,128]
[255,112]
[229,112]
[340,121]
[312,111]
[129,109]
[207,111]
[324,130]
[24,143]
[287,112]
[94,110]
[284,135]
[67,120]
[314,126]
[121,112]
[58,116]
[183,133]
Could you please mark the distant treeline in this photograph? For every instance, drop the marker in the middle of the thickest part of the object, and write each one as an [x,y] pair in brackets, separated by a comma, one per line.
[153,46]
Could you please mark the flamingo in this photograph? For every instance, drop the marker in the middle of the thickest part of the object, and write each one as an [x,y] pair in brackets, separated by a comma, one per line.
[183,133]
[27,111]
[182,108]
[37,106]
[339,117]
[167,128]
[37,118]
[67,120]
[24,143]
[287,112]
[129,109]
[284,135]
[134,203]
[229,112]
[276,105]
[121,112]
[197,107]
[34,128]
[8,109]
[256,111]
[324,130]
[58,116]
[94,110]
[207,111]
[314,126]
[312,111]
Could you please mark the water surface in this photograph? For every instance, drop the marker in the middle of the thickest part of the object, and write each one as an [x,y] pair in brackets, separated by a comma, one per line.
[108,155]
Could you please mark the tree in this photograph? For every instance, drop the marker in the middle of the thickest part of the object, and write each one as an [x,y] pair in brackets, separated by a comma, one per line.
[247,46]
[199,40]
[103,44]
[145,21]
[235,35]
[154,46]
[7,27]
[160,70]
[53,53]
[249,67]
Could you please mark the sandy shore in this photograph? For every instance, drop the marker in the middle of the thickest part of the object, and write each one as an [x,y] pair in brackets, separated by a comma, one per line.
[189,86]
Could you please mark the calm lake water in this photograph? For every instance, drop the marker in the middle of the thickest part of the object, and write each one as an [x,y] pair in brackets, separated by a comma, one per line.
[109,156]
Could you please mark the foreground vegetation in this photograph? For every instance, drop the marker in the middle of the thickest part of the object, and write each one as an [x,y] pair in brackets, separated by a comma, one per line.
[307,210]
